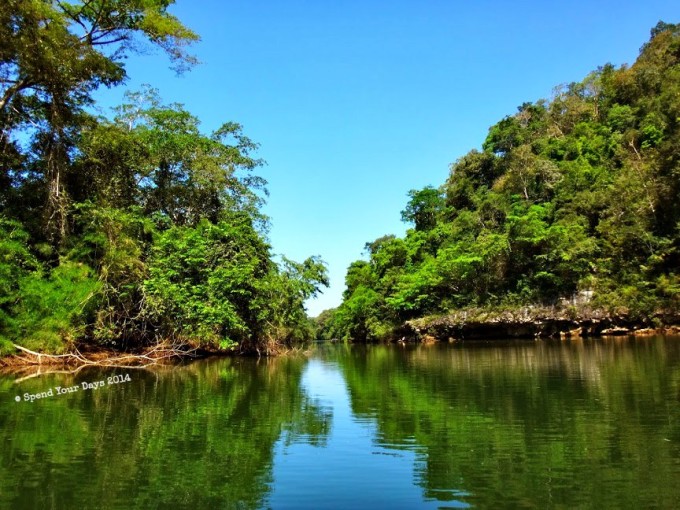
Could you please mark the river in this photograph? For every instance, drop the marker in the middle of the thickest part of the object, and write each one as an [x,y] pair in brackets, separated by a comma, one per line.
[535,424]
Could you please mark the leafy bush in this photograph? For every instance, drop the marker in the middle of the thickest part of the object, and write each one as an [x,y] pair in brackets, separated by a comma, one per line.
[49,313]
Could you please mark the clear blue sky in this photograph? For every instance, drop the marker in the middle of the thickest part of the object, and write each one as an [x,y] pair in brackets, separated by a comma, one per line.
[356,102]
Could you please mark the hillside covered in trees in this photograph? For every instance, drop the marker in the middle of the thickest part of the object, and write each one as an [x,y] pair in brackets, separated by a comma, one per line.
[579,195]
[128,230]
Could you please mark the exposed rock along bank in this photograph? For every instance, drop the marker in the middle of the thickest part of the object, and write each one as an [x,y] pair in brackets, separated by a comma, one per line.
[534,323]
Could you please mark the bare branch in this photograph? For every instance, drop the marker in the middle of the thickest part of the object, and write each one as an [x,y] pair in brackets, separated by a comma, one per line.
[157,354]
[18,86]
[98,42]
[74,16]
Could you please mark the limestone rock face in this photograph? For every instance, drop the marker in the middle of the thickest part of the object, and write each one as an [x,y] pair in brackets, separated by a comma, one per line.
[533,322]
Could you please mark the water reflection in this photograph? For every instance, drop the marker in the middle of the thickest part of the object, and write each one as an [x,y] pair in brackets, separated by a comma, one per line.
[352,471]
[197,436]
[535,424]
[527,425]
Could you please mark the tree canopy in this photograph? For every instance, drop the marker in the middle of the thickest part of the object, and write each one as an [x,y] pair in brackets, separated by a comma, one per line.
[128,230]
[578,193]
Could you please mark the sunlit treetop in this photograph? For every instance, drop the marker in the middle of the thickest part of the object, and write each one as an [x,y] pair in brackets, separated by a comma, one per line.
[55,47]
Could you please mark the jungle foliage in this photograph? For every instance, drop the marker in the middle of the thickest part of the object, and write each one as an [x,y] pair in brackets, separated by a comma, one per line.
[123,231]
[579,193]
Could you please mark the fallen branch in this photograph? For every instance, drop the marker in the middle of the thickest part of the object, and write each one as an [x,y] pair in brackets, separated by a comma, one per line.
[39,354]
[153,356]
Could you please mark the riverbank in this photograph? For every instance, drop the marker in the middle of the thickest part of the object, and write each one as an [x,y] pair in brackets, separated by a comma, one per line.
[160,354]
[534,322]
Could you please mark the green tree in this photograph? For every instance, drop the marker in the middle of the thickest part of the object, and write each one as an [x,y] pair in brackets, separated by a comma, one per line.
[423,208]
[135,229]
[54,54]
[578,193]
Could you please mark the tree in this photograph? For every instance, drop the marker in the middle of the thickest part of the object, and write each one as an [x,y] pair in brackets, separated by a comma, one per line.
[423,208]
[73,47]
[136,229]
[578,193]
[53,55]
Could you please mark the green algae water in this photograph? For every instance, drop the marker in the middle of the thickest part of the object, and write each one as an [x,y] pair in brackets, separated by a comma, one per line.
[578,424]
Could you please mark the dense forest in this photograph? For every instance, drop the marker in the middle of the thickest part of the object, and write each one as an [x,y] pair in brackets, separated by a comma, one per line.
[134,229]
[576,196]
[128,230]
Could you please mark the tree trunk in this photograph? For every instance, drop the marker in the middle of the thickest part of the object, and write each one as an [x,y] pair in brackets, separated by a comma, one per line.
[56,155]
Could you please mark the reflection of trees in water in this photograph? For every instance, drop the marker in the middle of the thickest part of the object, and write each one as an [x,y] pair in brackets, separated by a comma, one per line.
[198,436]
[530,424]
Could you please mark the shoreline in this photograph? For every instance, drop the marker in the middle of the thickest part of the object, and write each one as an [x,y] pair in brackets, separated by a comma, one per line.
[470,324]
[91,356]
[533,322]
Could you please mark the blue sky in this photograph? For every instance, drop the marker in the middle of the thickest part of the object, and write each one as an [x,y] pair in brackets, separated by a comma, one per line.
[356,102]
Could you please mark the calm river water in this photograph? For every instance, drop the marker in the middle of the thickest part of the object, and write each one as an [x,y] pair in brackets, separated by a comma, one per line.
[547,424]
